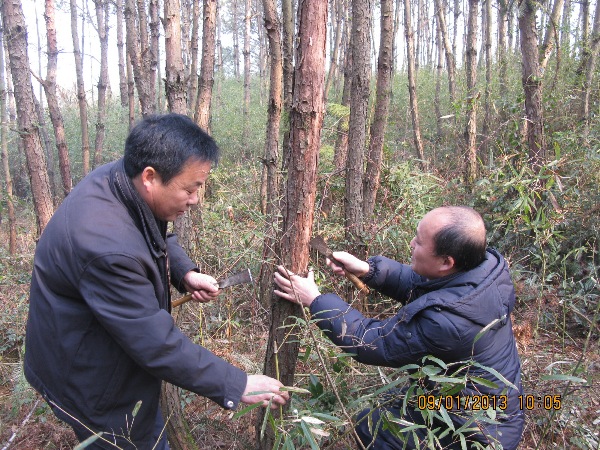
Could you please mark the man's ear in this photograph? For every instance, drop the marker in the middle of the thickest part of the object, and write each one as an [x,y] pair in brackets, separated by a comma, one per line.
[149,177]
[448,264]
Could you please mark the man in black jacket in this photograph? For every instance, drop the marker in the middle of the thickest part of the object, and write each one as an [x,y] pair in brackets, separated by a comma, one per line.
[100,338]
[453,289]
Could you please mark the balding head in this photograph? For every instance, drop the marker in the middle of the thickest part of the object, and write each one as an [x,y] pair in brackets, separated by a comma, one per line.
[460,234]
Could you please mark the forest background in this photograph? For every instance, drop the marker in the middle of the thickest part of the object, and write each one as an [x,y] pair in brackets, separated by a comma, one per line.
[347,118]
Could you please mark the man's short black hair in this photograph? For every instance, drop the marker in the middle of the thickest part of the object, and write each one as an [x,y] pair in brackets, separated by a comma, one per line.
[463,238]
[166,143]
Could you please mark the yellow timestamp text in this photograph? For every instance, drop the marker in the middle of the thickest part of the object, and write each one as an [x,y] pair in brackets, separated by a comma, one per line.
[463,402]
[547,402]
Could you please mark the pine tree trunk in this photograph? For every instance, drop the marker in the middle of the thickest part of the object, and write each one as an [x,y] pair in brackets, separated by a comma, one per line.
[590,68]
[551,36]
[271,159]
[175,80]
[85,138]
[207,65]
[532,84]
[359,100]
[486,150]
[450,61]
[192,96]
[121,55]
[306,120]
[16,39]
[12,220]
[236,38]
[246,55]
[412,85]
[502,49]
[140,54]
[472,96]
[382,105]
[102,20]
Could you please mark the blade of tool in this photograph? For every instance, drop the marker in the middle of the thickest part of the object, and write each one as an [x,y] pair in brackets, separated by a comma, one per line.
[243,277]
[319,244]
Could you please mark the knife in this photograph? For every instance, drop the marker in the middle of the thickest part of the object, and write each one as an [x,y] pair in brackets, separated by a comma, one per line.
[318,243]
[243,277]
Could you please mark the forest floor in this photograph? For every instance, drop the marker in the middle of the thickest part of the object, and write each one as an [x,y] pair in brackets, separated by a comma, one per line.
[27,424]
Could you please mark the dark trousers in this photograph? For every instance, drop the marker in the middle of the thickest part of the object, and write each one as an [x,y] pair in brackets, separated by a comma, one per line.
[117,442]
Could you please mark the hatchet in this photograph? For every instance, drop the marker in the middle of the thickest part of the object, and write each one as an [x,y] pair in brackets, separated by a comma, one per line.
[242,277]
[318,243]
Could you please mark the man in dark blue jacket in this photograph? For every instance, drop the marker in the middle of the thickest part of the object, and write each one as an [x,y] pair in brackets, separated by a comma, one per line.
[453,289]
[100,338]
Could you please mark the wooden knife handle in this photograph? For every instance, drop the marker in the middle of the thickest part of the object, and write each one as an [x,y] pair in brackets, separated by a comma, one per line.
[181,301]
[362,287]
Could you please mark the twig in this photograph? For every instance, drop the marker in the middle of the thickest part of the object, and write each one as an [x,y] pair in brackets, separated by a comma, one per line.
[14,435]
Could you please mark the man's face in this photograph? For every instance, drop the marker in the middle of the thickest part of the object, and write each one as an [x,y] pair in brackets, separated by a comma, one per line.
[171,200]
[424,261]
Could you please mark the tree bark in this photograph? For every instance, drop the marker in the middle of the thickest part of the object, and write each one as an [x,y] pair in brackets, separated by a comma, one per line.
[382,105]
[140,54]
[16,39]
[207,66]
[85,138]
[271,158]
[359,100]
[532,84]
[487,120]
[337,16]
[287,34]
[175,80]
[236,38]
[502,47]
[154,76]
[412,85]
[102,20]
[551,35]
[121,54]
[192,96]
[472,96]
[52,98]
[306,120]
[450,61]
[590,68]
[8,184]
[246,55]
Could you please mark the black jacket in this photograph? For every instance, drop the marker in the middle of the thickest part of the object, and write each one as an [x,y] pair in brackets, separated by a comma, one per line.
[441,318]
[100,337]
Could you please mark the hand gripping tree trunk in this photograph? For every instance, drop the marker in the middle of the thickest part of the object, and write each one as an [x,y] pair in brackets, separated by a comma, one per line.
[16,39]
[306,120]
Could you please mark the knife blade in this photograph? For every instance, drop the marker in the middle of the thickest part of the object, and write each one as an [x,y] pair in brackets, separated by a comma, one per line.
[319,244]
[243,277]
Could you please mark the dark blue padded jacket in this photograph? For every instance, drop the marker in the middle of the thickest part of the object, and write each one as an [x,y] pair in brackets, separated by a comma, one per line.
[440,317]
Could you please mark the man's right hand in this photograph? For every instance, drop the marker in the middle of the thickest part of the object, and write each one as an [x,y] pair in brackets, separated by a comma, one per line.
[267,388]
[351,264]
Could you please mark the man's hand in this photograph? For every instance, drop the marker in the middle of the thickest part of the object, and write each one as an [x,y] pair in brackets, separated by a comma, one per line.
[265,389]
[296,288]
[351,263]
[203,288]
